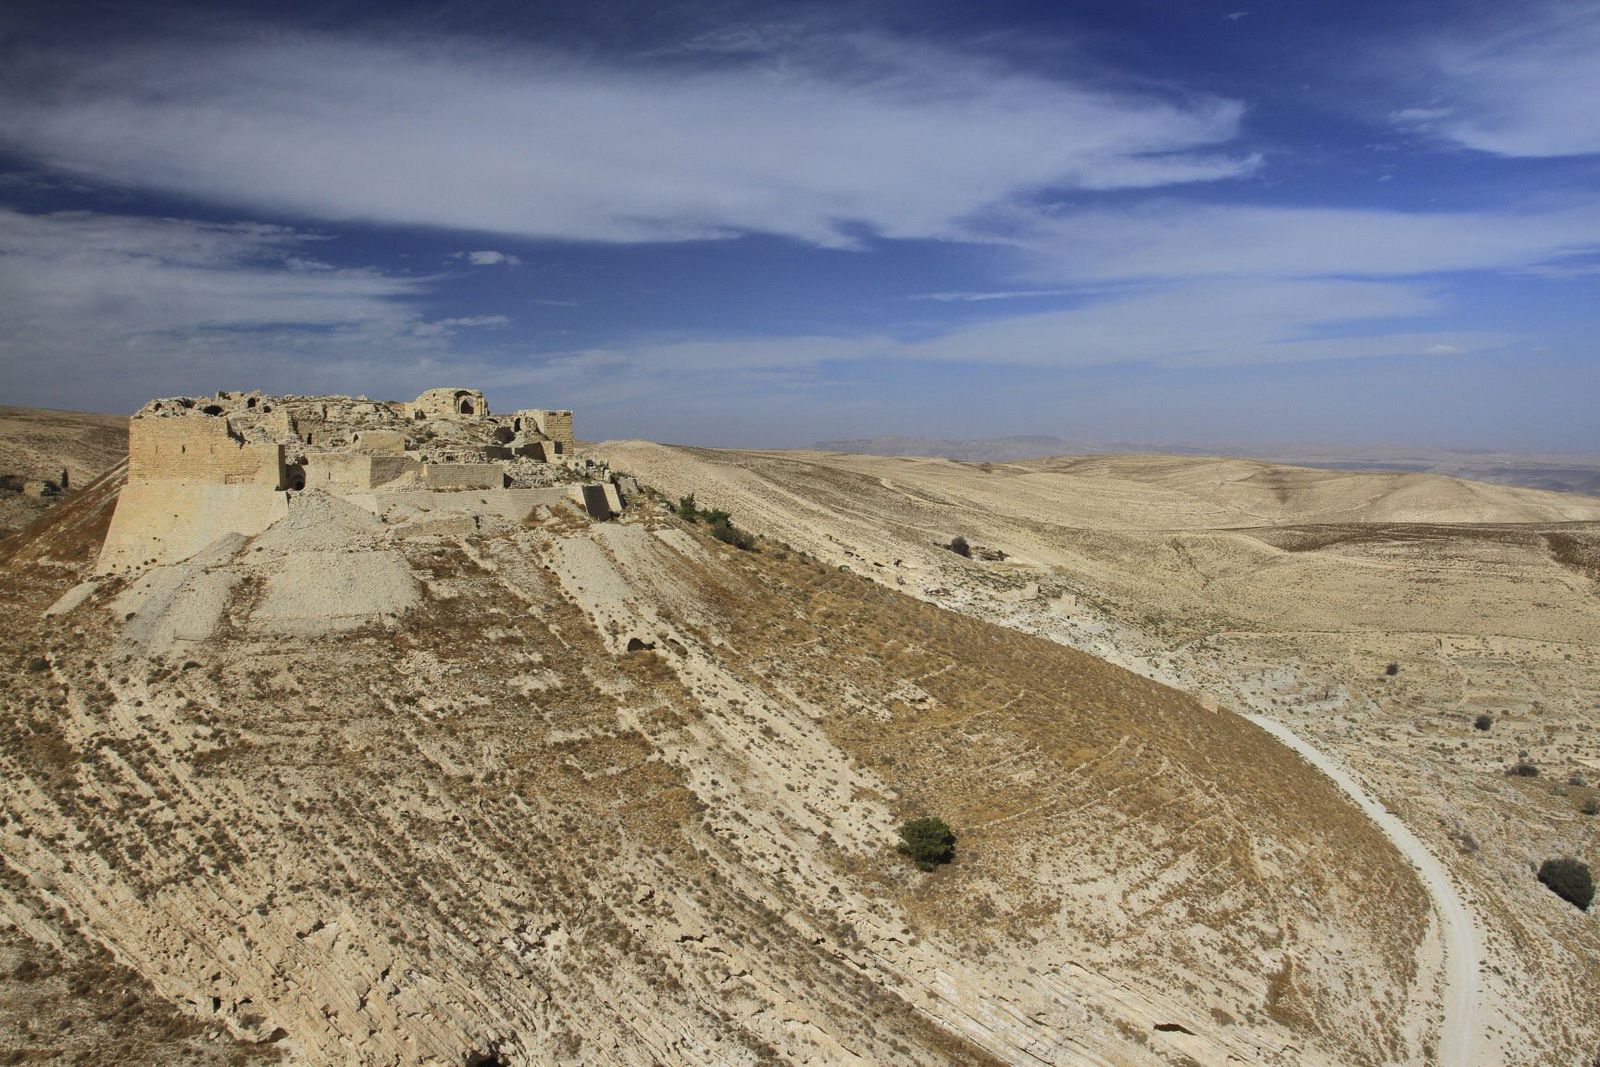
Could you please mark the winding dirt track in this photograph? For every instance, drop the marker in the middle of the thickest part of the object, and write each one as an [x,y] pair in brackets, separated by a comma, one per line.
[1463,949]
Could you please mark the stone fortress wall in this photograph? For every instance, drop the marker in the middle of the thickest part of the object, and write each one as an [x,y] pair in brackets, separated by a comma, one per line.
[202,449]
[201,468]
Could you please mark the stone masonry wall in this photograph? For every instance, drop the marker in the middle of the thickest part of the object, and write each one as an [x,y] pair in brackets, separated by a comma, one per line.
[199,448]
[556,425]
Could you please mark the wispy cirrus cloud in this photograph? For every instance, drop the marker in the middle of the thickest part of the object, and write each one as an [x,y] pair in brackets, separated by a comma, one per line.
[1524,84]
[819,143]
[1175,239]
[101,309]
[1214,323]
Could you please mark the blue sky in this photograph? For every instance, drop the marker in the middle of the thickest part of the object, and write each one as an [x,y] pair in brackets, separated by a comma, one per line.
[761,224]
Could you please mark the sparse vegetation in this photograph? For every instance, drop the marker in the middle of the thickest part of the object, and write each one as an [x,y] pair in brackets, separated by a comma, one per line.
[723,530]
[721,523]
[1391,670]
[1523,769]
[959,546]
[928,841]
[1570,880]
[1483,722]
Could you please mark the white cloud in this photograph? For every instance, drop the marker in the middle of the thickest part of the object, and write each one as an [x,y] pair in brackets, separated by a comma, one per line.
[1443,350]
[108,310]
[1526,86]
[448,327]
[488,258]
[1211,323]
[904,140]
[984,296]
[1418,116]
[1181,240]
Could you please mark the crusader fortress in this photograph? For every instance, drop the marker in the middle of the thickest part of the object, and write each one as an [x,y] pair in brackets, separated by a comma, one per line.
[204,468]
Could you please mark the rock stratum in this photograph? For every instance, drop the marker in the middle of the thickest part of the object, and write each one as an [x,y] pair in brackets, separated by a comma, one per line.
[379,790]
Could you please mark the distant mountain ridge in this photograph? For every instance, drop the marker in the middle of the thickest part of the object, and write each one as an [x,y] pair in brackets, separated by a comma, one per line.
[1555,471]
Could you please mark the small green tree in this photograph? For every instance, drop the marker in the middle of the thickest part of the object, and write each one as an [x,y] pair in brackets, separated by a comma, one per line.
[686,508]
[1569,880]
[959,546]
[928,841]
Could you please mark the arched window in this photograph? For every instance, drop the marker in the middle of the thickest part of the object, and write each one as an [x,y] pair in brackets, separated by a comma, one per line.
[466,405]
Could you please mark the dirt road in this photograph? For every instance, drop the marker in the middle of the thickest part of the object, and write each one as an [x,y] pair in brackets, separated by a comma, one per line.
[1461,943]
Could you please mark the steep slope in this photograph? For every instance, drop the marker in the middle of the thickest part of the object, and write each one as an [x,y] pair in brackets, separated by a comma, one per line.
[620,794]
[1426,655]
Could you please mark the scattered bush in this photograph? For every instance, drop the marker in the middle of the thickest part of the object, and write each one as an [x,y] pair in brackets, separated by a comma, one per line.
[723,530]
[1483,722]
[928,842]
[1591,806]
[1392,669]
[1576,779]
[959,546]
[720,521]
[38,664]
[1523,769]
[1569,880]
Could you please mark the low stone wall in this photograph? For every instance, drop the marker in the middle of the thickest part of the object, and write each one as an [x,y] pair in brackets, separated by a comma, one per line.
[380,442]
[463,475]
[338,471]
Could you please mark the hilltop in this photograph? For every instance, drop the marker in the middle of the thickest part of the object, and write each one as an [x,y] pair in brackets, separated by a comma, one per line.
[563,788]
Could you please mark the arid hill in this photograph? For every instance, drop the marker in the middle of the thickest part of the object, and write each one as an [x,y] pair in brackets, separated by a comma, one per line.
[37,445]
[1427,632]
[563,791]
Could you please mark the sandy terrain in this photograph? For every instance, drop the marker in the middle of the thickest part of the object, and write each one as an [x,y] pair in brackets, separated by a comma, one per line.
[37,445]
[1560,471]
[617,793]
[1288,593]
[1463,945]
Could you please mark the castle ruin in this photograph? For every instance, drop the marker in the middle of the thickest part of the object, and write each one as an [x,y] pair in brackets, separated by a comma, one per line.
[200,468]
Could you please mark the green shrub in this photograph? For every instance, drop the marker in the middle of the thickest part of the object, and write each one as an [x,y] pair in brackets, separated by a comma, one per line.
[1569,880]
[723,530]
[928,842]
[959,546]
[720,521]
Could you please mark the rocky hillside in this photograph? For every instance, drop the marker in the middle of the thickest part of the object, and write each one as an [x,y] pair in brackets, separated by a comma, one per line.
[38,445]
[619,793]
[1426,632]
